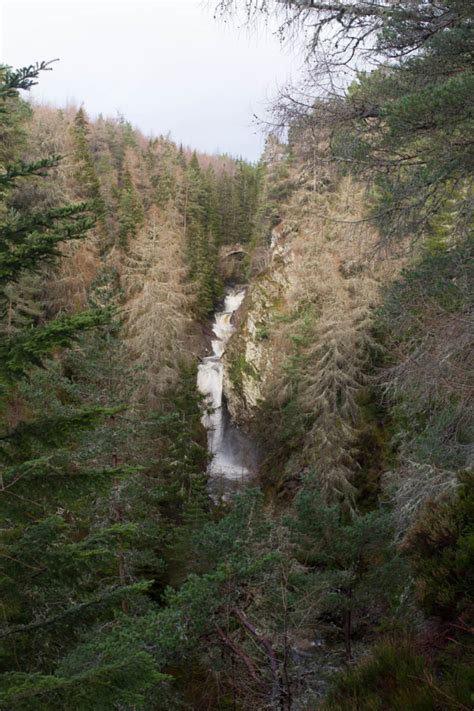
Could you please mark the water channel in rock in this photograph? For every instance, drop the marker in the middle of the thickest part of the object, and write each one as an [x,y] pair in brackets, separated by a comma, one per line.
[231,450]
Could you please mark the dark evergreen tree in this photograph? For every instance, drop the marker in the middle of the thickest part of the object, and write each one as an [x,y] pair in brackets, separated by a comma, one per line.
[351,565]
[85,171]
[130,209]
[201,241]
[52,557]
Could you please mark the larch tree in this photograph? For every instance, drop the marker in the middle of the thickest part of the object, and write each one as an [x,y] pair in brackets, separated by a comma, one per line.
[158,304]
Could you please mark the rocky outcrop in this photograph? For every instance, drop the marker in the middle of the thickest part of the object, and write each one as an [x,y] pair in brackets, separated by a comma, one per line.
[249,356]
[232,260]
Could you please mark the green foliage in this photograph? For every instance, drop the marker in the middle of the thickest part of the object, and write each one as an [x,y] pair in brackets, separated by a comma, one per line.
[15,79]
[416,146]
[85,173]
[237,200]
[396,676]
[164,181]
[275,188]
[239,367]
[351,565]
[201,238]
[177,634]
[440,547]
[427,354]
[20,169]
[23,350]
[390,678]
[115,680]
[13,113]
[22,305]
[53,552]
[130,210]
[49,432]
[28,241]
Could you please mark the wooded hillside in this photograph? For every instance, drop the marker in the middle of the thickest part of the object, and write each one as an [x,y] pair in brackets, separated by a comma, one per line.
[341,577]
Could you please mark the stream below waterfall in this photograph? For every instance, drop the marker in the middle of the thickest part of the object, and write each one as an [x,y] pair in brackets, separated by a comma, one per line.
[232,455]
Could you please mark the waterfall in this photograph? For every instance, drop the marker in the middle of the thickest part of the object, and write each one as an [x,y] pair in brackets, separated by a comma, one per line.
[227,444]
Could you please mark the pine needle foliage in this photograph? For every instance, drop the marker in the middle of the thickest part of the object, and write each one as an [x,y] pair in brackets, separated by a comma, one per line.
[51,555]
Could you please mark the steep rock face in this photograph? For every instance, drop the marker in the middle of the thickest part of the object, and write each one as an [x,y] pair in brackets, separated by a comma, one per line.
[250,354]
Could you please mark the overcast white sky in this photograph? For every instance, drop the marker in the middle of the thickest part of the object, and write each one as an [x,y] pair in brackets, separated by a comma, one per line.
[166,65]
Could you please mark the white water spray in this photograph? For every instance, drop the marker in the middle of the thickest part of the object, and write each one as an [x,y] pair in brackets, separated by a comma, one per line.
[225,442]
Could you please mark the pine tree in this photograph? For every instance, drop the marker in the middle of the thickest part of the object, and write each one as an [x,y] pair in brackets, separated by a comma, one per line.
[406,126]
[130,209]
[163,164]
[52,558]
[85,172]
[201,242]
[351,565]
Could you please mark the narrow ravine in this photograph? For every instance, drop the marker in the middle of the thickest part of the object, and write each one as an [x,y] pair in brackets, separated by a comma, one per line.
[231,463]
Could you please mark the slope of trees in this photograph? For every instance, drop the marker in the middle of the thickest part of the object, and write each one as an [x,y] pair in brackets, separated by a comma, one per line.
[96,315]
[50,547]
[373,394]
[211,200]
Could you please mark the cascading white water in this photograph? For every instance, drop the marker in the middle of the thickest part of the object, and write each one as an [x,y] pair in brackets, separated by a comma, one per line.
[225,442]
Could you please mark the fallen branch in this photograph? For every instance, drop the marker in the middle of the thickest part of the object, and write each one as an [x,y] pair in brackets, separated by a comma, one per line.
[241,655]
[278,690]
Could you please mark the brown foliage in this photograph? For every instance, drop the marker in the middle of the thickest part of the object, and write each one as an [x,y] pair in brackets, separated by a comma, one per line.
[322,337]
[158,304]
